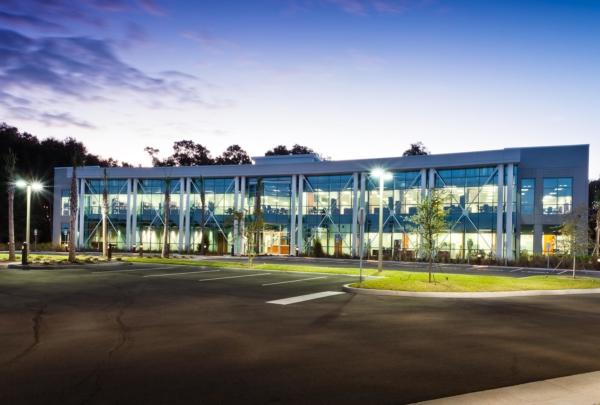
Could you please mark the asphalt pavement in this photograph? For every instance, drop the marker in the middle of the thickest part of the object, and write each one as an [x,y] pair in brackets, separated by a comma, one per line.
[158,334]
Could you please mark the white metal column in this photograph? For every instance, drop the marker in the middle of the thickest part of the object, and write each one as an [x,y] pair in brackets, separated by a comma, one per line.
[236,194]
[188,189]
[509,212]
[134,239]
[293,218]
[242,223]
[355,209]
[362,201]
[300,214]
[128,218]
[181,227]
[431,184]
[499,212]
[80,206]
[423,182]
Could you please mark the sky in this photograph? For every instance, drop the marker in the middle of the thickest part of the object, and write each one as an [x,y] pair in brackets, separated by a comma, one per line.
[349,78]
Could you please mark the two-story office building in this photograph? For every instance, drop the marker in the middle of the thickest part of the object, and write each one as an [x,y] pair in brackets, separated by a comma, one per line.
[500,203]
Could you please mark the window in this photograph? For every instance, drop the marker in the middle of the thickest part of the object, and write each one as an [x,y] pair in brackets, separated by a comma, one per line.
[527,196]
[558,196]
[65,202]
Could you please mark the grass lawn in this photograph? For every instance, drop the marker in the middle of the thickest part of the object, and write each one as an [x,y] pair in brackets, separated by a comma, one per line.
[405,280]
[257,265]
[409,281]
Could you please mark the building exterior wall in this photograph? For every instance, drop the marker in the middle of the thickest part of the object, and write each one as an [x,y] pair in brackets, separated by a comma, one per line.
[309,207]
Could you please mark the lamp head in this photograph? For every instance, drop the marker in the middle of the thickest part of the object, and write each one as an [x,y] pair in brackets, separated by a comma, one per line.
[381,173]
[21,183]
[37,186]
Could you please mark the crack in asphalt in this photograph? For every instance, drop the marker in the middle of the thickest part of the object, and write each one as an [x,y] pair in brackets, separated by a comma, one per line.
[37,323]
[125,301]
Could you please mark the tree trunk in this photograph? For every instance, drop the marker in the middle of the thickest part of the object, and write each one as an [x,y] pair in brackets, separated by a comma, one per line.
[574,262]
[430,266]
[202,218]
[105,220]
[166,209]
[11,223]
[73,215]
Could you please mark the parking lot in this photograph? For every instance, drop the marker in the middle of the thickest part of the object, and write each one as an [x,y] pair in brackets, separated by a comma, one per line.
[177,334]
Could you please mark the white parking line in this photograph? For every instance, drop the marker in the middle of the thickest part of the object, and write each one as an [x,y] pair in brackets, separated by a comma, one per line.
[307,297]
[294,281]
[129,270]
[178,274]
[245,275]
[517,269]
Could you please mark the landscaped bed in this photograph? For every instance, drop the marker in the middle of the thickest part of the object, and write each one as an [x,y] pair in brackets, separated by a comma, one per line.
[42,259]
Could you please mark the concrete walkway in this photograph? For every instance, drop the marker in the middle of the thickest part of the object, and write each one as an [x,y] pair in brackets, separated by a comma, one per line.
[580,389]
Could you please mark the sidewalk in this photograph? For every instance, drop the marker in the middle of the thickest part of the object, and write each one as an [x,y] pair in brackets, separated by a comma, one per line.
[580,389]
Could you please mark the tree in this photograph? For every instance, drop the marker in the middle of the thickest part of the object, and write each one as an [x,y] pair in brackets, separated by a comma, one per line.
[185,153]
[430,221]
[301,150]
[105,215]
[282,150]
[10,161]
[166,219]
[254,226]
[416,149]
[574,230]
[73,213]
[594,208]
[279,150]
[233,155]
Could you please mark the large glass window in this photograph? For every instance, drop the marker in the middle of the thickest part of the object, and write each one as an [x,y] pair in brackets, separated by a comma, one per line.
[558,195]
[327,209]
[527,196]
[471,205]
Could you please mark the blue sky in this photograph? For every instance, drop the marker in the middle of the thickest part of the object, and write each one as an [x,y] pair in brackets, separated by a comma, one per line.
[350,78]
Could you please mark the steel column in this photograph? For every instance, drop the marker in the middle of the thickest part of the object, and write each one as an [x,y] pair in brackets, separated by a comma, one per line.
[500,212]
[509,212]
[355,209]
[293,218]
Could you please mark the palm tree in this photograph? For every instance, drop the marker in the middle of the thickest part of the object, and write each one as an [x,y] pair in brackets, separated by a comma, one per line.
[78,158]
[73,213]
[166,211]
[105,216]
[10,161]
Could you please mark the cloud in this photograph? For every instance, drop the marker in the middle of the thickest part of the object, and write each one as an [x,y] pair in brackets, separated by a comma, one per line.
[350,6]
[83,69]
[152,7]
[27,21]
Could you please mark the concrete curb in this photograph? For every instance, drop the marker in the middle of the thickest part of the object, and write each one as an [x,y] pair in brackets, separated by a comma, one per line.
[489,294]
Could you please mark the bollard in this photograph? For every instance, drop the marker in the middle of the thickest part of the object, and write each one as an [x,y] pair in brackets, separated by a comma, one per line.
[24,254]
[110,249]
[141,250]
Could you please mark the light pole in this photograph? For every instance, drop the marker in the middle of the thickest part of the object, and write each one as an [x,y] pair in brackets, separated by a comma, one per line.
[382,175]
[29,186]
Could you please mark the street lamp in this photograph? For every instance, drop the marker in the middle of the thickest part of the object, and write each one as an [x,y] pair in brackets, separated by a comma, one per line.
[29,186]
[382,175]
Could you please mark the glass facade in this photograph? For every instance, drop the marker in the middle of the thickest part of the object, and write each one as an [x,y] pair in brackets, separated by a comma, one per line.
[471,204]
[150,212]
[527,196]
[270,198]
[211,214]
[401,194]
[117,209]
[327,215]
[558,195]
[203,219]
